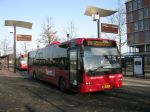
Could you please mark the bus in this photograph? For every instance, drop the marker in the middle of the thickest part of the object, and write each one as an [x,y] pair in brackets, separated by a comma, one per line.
[22,62]
[80,65]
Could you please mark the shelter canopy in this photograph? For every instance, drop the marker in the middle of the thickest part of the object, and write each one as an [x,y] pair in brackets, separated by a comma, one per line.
[18,23]
[102,12]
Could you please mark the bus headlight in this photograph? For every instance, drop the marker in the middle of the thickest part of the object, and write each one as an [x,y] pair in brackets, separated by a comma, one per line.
[88,83]
[112,76]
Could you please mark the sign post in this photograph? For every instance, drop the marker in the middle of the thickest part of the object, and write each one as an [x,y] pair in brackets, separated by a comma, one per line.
[16,23]
[14,48]
[96,14]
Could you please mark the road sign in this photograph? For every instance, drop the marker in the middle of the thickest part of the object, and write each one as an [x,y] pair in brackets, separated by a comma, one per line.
[24,37]
[109,28]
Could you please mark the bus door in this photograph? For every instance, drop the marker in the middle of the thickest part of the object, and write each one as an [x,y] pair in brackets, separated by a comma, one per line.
[73,69]
[39,69]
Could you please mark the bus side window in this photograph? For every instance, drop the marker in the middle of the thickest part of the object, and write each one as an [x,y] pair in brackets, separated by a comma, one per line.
[48,62]
[65,63]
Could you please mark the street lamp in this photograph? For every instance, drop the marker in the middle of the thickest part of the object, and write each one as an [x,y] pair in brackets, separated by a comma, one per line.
[15,23]
[96,13]
[67,36]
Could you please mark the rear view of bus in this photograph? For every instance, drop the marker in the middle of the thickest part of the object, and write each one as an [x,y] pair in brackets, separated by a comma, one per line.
[21,62]
[102,70]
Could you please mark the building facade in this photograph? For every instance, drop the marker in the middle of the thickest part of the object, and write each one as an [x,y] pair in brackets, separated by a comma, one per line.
[138,25]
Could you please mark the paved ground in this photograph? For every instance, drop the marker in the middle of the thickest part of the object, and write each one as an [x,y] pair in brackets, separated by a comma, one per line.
[18,94]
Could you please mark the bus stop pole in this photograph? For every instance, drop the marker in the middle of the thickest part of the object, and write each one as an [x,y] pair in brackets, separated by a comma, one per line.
[14,48]
[98,28]
[8,62]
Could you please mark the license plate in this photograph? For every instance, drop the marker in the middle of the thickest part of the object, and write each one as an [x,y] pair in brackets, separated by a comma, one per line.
[106,86]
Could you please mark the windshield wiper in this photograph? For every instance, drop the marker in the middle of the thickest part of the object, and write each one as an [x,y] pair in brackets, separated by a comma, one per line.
[93,71]
[103,67]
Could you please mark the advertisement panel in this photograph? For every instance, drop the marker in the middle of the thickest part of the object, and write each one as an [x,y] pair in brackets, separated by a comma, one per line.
[138,66]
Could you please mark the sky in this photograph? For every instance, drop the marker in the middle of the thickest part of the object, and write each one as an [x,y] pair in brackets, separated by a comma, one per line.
[61,13]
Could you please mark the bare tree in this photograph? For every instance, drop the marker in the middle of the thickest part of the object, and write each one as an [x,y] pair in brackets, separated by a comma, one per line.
[48,34]
[70,31]
[24,47]
[119,19]
[5,46]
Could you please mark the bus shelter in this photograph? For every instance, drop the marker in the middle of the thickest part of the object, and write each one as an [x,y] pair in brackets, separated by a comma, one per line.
[6,61]
[137,64]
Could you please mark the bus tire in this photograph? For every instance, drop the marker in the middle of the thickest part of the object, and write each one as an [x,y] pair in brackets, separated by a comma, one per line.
[62,84]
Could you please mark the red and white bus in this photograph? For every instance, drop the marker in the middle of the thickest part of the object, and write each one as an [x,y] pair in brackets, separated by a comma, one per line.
[22,62]
[82,65]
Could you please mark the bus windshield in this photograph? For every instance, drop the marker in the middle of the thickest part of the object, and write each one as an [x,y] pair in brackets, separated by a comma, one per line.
[24,60]
[100,59]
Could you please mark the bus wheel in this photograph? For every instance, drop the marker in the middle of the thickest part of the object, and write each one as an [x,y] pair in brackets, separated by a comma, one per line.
[62,84]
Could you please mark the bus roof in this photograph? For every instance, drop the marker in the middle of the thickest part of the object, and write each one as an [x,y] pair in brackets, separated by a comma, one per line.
[66,44]
[53,43]
[79,41]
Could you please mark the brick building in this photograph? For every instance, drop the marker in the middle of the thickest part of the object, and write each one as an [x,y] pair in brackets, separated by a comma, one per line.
[138,28]
[138,25]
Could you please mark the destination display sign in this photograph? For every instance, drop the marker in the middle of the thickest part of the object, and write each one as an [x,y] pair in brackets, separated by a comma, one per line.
[100,43]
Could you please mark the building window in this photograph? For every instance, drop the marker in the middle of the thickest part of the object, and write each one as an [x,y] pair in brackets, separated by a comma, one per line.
[130,17]
[148,48]
[130,6]
[134,4]
[140,14]
[139,3]
[140,25]
[131,36]
[130,39]
[146,24]
[146,12]
[141,49]
[147,36]
[136,37]
[136,27]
